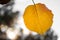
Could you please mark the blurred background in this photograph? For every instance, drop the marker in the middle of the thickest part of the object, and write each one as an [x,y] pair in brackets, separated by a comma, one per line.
[53,5]
[20,5]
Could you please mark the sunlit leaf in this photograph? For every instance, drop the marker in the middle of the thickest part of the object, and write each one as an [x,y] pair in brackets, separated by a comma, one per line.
[38,18]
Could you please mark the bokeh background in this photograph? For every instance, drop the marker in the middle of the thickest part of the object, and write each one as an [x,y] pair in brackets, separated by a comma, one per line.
[53,5]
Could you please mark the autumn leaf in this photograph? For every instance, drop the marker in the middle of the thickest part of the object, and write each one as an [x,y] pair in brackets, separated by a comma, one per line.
[38,18]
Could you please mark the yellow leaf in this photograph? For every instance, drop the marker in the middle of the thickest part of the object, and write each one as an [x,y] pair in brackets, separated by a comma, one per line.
[38,18]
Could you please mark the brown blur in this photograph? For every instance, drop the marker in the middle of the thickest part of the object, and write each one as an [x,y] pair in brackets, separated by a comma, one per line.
[4,1]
